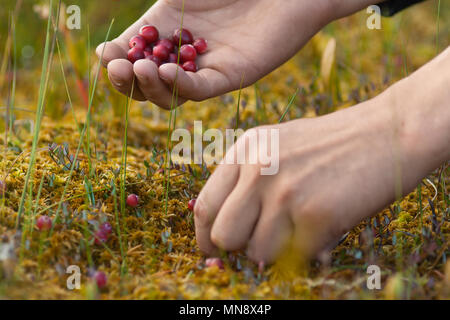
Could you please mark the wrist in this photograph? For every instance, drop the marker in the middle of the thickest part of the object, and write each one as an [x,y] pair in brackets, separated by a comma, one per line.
[420,118]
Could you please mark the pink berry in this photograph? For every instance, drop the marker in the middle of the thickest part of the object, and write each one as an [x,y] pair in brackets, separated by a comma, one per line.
[166,43]
[149,33]
[211,262]
[133,200]
[137,42]
[201,45]
[173,58]
[191,204]
[161,52]
[190,66]
[44,223]
[188,53]
[100,237]
[100,279]
[106,227]
[155,59]
[148,51]
[135,54]
[185,35]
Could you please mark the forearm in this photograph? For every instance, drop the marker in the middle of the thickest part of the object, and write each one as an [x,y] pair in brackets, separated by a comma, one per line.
[421,117]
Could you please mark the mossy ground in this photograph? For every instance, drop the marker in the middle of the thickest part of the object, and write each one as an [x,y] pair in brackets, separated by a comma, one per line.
[159,258]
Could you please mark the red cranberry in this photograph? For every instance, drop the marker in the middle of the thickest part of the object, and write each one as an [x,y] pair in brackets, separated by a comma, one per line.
[149,33]
[201,45]
[135,54]
[44,223]
[100,279]
[106,227]
[161,52]
[155,59]
[173,58]
[100,237]
[166,43]
[137,42]
[190,66]
[148,51]
[185,35]
[211,262]
[191,204]
[188,53]
[133,200]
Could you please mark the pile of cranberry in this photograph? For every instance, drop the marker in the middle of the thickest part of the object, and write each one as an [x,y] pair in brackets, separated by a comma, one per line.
[147,45]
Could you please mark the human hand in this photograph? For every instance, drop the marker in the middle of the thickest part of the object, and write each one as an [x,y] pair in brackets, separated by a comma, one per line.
[334,171]
[247,39]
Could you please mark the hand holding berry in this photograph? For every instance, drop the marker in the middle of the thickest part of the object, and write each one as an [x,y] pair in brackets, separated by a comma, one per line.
[241,35]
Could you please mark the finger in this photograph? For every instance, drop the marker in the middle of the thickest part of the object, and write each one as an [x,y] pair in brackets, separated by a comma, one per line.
[238,216]
[109,51]
[209,202]
[121,75]
[197,86]
[152,87]
[271,235]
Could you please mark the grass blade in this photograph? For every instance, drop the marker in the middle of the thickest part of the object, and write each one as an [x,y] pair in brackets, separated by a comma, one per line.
[291,102]
[83,132]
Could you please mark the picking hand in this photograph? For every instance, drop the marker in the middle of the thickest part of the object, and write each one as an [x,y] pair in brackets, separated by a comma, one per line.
[247,39]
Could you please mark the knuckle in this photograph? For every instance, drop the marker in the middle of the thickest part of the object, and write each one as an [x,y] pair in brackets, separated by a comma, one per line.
[284,195]
[201,212]
[223,240]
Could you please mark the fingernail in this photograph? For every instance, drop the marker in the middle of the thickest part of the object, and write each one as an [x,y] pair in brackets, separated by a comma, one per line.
[117,82]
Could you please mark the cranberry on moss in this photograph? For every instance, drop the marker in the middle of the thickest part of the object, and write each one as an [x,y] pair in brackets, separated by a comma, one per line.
[133,200]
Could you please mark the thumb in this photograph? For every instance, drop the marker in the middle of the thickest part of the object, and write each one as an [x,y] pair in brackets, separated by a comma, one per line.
[109,51]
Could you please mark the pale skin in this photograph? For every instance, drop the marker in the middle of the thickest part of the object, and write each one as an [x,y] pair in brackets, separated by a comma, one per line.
[335,170]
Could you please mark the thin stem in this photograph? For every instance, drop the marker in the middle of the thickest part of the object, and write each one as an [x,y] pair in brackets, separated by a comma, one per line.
[48,56]
[80,142]
[291,102]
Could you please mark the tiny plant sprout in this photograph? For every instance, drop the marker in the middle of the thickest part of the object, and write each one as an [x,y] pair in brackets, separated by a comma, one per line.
[191,204]
[214,262]
[133,200]
[44,223]
[100,279]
